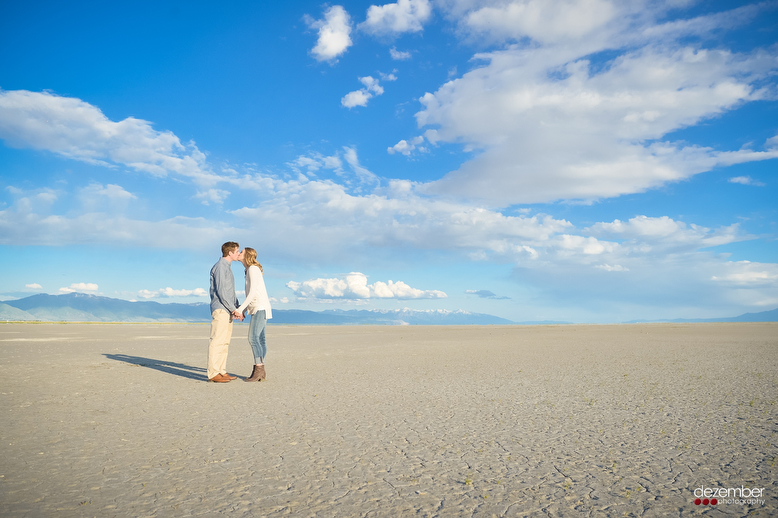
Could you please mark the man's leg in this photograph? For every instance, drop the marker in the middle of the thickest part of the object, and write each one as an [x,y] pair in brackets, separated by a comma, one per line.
[221,332]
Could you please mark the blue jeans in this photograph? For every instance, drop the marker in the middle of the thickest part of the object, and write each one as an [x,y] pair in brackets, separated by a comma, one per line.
[257,336]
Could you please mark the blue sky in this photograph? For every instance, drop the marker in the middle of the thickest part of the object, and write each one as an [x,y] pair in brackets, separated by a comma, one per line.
[585,161]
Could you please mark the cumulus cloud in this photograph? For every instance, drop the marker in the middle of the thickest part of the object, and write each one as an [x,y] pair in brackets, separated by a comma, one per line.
[399,55]
[216,196]
[170,292]
[746,180]
[356,98]
[747,273]
[34,286]
[397,18]
[355,286]
[334,33]
[18,224]
[79,287]
[109,198]
[553,119]
[543,21]
[362,96]
[322,215]
[110,191]
[406,147]
[77,130]
[665,233]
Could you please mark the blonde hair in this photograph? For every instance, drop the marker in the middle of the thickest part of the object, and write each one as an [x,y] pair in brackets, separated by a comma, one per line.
[250,256]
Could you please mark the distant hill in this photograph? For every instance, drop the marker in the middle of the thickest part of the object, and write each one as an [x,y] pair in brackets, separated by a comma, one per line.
[81,307]
[764,316]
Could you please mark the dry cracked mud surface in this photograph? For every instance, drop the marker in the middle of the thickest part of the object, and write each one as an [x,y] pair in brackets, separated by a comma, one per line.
[623,420]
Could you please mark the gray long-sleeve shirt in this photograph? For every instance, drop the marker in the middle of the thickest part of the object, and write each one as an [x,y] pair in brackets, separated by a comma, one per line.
[223,287]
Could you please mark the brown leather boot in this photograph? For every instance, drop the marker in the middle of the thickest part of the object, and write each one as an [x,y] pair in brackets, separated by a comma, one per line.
[262,374]
[254,374]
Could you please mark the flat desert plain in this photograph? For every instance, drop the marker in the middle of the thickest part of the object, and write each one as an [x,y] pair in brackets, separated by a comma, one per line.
[577,420]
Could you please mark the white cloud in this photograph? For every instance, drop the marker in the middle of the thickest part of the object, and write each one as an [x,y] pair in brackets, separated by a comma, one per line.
[406,147]
[355,286]
[350,155]
[666,233]
[582,137]
[110,191]
[397,18]
[323,216]
[34,286]
[110,198]
[216,196]
[362,96]
[315,161]
[79,287]
[308,222]
[170,292]
[551,121]
[543,21]
[388,77]
[746,180]
[334,33]
[46,196]
[399,55]
[77,130]
[18,224]
[356,98]
[609,268]
[746,273]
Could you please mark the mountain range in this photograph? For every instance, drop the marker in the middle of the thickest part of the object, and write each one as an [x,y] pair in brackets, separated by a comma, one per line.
[82,307]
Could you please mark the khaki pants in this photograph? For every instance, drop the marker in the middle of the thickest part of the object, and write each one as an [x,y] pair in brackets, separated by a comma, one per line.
[221,332]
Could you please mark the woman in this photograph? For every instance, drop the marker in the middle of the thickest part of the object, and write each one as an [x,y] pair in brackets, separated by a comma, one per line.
[258,306]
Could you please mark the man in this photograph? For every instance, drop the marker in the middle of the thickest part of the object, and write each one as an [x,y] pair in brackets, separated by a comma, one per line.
[223,303]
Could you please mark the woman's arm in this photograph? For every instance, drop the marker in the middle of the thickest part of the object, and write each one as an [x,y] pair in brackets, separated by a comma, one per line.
[254,276]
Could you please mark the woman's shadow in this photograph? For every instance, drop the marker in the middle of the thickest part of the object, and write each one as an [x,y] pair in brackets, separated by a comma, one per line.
[177,369]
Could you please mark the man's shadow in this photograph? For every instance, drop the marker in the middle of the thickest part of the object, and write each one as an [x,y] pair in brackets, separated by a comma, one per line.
[177,369]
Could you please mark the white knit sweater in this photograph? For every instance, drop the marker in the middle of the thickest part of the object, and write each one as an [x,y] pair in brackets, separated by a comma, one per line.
[256,293]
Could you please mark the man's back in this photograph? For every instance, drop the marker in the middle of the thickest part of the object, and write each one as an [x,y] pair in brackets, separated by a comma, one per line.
[222,287]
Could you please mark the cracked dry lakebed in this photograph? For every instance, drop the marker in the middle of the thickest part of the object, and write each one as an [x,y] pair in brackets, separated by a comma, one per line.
[572,420]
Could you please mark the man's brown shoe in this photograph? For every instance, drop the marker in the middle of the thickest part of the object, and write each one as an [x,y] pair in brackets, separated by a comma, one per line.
[228,376]
[219,378]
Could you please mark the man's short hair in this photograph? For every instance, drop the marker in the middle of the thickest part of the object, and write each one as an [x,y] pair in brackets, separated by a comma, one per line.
[229,247]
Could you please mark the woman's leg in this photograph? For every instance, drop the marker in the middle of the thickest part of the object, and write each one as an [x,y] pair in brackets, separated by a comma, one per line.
[257,336]
[262,342]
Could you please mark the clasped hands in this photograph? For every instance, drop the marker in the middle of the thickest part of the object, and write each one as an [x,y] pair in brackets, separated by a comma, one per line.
[238,315]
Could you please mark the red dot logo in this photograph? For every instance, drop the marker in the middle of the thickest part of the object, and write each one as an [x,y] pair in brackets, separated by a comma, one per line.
[705,501]
[697,502]
[714,501]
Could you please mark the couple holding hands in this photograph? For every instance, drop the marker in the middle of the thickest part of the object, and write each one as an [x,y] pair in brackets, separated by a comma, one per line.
[225,308]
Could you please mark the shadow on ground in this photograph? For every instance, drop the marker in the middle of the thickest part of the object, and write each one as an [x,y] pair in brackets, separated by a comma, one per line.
[177,369]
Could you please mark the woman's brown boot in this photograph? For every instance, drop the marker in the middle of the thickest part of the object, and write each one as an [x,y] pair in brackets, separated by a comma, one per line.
[254,374]
[262,374]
